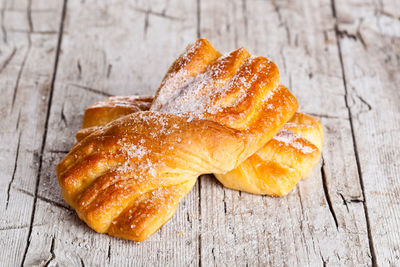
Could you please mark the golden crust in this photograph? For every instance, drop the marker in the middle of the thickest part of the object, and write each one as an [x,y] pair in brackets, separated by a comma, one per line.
[117,106]
[286,159]
[112,108]
[277,167]
[210,113]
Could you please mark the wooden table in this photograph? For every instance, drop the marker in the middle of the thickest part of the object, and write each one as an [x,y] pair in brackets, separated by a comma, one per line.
[340,58]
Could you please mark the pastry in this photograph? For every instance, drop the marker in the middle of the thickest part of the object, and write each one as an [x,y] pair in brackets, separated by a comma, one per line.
[127,177]
[110,109]
[286,159]
[273,170]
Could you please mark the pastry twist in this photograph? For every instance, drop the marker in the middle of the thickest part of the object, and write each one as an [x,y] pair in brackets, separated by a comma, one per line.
[273,170]
[210,113]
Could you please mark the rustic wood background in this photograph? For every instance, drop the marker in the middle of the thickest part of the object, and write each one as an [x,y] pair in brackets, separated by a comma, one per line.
[340,58]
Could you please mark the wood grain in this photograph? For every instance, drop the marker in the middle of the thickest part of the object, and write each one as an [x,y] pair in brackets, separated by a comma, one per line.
[126,52]
[319,223]
[28,54]
[340,58]
[369,49]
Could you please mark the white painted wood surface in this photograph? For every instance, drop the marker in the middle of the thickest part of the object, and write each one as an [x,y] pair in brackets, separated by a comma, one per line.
[340,58]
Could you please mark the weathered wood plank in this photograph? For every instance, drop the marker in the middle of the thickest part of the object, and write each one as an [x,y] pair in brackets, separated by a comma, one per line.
[369,42]
[124,48]
[28,42]
[110,48]
[322,221]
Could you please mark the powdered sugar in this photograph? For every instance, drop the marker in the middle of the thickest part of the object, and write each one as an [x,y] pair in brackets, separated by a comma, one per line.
[290,139]
[219,87]
[132,150]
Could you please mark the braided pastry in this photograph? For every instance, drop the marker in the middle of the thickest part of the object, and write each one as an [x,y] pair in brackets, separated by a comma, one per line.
[210,113]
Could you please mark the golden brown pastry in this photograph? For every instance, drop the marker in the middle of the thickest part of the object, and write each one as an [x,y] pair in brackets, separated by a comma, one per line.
[127,178]
[286,159]
[273,170]
[111,109]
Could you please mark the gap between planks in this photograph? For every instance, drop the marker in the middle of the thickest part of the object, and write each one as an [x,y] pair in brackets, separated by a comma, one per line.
[355,148]
[59,40]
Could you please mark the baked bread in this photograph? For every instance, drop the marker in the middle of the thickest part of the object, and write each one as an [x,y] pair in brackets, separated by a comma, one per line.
[273,170]
[211,112]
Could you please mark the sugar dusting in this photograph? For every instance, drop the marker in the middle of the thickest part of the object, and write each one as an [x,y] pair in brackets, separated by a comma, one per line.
[194,97]
[195,94]
[213,91]
[291,139]
[174,79]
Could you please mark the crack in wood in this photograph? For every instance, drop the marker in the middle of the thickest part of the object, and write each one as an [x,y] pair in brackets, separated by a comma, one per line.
[3,28]
[301,201]
[47,200]
[326,116]
[344,201]
[349,201]
[283,23]
[58,151]
[154,13]
[164,11]
[327,195]
[7,228]
[19,75]
[359,35]
[283,59]
[33,32]
[224,200]
[324,262]
[53,255]
[18,120]
[79,67]
[198,33]
[245,19]
[146,23]
[57,55]
[287,30]
[302,227]
[355,148]
[199,236]
[277,10]
[63,117]
[8,59]
[109,68]
[189,220]
[235,28]
[109,251]
[29,17]
[387,14]
[96,91]
[14,171]
[364,102]
[14,227]
[356,37]
[198,18]
[345,33]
